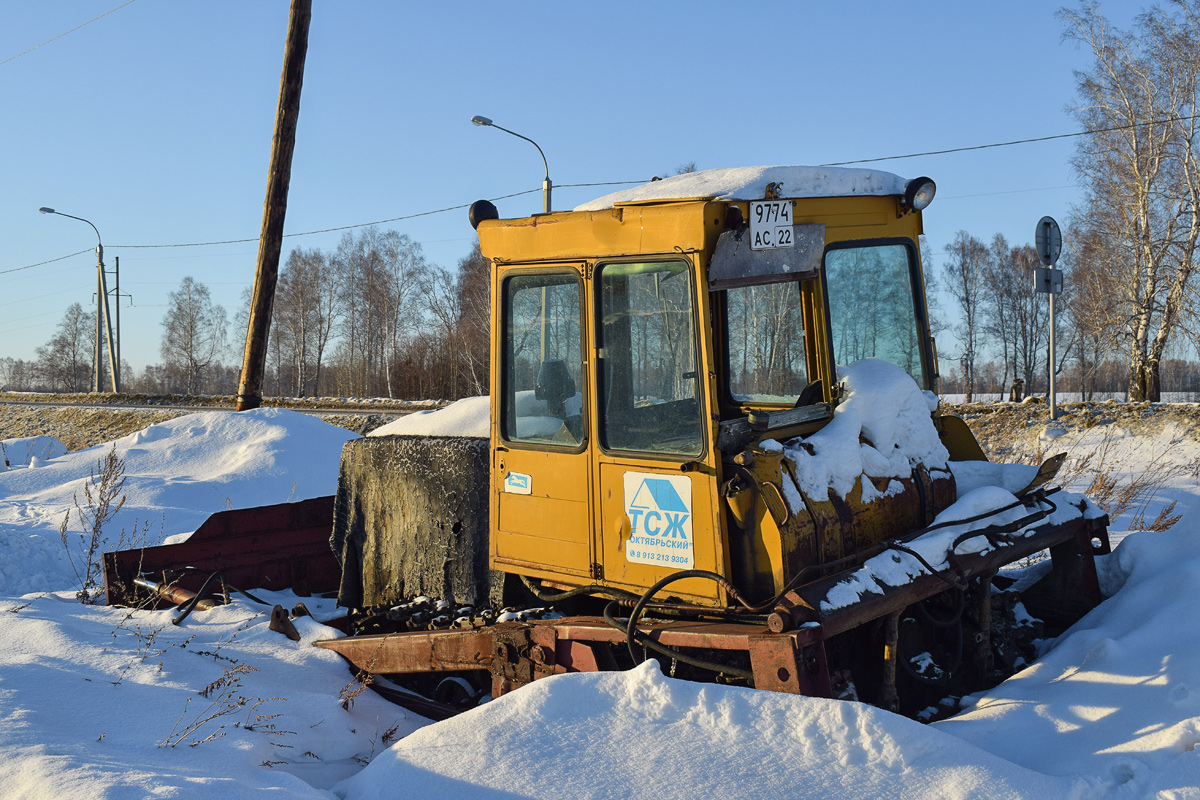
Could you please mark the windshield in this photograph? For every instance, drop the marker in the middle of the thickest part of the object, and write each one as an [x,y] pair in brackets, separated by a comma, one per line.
[872,310]
[765,343]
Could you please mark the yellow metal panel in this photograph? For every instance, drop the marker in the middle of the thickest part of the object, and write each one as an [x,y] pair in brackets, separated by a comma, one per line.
[958,439]
[614,530]
[550,526]
[596,234]
[612,526]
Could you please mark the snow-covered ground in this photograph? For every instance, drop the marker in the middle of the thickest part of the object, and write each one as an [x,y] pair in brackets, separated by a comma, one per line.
[105,702]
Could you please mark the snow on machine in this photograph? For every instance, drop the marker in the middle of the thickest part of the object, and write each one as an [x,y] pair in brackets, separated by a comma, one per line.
[679,468]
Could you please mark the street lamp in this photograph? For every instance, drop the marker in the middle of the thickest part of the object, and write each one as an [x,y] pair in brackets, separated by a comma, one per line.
[102,314]
[546,185]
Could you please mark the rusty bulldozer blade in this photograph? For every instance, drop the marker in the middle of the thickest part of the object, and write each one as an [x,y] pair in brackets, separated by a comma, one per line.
[281,624]
[1045,473]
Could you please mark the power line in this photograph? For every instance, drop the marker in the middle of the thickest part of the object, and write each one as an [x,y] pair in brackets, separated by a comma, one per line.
[77,27]
[1010,191]
[376,222]
[24,328]
[1016,141]
[31,316]
[51,261]
[37,297]
[324,230]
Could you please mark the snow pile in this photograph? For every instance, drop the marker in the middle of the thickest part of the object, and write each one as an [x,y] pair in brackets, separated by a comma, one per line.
[882,429]
[1118,696]
[640,734]
[750,183]
[30,451]
[971,475]
[470,417]
[177,474]
[98,702]
[896,568]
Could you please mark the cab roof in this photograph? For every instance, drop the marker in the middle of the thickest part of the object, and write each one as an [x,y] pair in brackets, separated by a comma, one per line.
[750,183]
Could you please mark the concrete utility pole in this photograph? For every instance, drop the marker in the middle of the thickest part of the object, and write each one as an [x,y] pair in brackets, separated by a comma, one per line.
[270,240]
[103,320]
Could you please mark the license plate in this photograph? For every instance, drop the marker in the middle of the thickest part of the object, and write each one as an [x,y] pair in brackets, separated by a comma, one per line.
[771,224]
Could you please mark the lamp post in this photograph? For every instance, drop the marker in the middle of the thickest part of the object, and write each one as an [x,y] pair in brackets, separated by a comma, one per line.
[102,314]
[546,185]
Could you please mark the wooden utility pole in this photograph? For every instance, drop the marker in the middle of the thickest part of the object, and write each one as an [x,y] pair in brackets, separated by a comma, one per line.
[270,240]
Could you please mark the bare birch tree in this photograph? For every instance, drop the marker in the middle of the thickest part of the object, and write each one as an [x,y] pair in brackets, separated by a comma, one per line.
[304,318]
[194,333]
[474,288]
[1138,167]
[963,278]
[65,362]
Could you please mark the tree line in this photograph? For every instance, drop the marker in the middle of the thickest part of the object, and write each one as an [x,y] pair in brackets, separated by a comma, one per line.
[1129,307]
[372,318]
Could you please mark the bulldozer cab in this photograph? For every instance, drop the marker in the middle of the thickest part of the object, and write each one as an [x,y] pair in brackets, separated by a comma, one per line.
[645,345]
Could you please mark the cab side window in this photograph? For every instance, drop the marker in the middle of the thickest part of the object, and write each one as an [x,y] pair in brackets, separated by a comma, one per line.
[542,389]
[649,388]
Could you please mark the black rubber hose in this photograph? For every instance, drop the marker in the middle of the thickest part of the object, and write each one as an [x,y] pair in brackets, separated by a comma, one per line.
[633,637]
[640,606]
[699,663]
[1037,496]
[947,673]
[939,622]
[582,591]
[187,608]
[960,584]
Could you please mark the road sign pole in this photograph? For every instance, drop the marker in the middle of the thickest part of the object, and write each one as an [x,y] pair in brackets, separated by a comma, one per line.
[1053,404]
[1048,242]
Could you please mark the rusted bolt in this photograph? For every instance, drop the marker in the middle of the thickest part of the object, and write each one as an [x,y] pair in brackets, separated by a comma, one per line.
[778,623]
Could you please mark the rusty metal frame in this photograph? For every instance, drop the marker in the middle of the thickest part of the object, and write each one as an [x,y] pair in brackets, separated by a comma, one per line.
[787,656]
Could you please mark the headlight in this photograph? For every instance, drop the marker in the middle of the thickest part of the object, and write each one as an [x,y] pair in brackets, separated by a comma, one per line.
[918,193]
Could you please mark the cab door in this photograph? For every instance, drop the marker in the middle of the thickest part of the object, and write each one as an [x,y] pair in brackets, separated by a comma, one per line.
[541,484]
[655,468]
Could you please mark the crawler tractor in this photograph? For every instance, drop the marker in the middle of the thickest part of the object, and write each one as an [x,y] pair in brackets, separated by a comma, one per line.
[678,467]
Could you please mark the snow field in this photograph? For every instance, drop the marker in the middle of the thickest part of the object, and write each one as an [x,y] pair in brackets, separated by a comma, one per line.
[88,693]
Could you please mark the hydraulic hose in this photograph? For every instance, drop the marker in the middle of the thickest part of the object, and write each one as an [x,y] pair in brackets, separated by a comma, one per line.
[581,591]
[633,637]
[187,608]
[633,634]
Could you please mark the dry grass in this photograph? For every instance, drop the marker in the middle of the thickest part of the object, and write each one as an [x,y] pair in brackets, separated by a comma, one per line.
[1105,481]
[103,498]
[80,428]
[1012,433]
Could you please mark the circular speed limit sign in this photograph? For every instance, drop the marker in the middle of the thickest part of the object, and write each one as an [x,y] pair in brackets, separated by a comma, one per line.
[1048,240]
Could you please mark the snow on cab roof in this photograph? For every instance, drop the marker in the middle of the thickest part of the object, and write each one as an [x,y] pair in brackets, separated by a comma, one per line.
[750,183]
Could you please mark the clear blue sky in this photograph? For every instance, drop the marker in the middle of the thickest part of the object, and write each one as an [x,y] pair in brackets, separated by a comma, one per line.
[155,122]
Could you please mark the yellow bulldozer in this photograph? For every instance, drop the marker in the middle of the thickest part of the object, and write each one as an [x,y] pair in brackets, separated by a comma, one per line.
[714,440]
